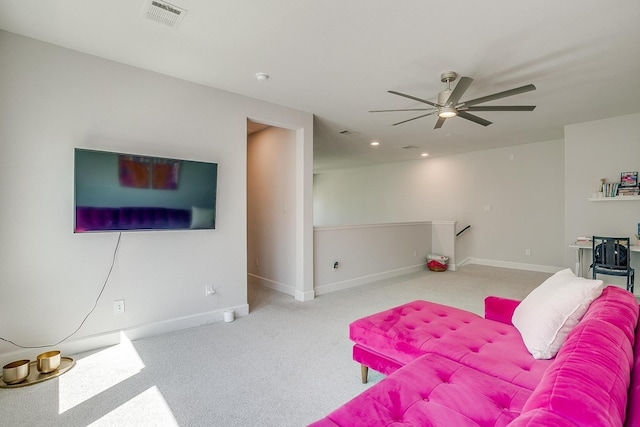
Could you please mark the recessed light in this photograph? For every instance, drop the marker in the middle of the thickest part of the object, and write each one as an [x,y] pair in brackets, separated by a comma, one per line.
[375,143]
[424,154]
[262,76]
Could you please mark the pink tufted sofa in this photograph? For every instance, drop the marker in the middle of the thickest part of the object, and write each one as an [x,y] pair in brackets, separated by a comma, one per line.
[450,367]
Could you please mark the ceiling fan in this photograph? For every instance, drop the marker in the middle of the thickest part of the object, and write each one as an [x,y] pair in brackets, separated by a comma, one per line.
[449,104]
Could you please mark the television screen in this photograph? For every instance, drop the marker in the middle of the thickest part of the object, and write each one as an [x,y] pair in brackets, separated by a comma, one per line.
[126,192]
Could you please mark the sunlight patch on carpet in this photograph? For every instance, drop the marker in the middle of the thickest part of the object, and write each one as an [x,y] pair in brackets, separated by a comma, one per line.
[97,373]
[149,408]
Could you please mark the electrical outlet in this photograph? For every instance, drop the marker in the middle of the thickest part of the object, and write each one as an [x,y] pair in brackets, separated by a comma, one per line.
[118,306]
[527,252]
[335,265]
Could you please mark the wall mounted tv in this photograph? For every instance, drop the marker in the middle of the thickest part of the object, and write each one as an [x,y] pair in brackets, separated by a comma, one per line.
[129,192]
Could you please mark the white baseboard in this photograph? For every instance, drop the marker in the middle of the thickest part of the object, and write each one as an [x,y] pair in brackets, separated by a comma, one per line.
[305,296]
[110,338]
[346,284]
[512,265]
[272,284]
[282,287]
[464,262]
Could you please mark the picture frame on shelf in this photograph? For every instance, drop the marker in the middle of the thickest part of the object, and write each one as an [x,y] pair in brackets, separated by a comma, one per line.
[629,179]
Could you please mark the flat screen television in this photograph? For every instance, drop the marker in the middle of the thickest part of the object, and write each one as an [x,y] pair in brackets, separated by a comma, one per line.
[130,192]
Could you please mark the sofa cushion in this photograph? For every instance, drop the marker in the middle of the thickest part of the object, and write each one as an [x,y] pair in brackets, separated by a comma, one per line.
[500,309]
[411,330]
[588,381]
[633,401]
[547,315]
[433,391]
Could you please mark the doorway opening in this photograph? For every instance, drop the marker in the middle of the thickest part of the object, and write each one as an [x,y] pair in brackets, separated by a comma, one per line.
[271,210]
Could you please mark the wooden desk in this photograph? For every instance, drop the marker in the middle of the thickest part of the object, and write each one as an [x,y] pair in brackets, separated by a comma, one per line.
[580,248]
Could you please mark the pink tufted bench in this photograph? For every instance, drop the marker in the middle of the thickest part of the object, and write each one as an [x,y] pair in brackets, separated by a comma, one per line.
[395,337]
[449,367]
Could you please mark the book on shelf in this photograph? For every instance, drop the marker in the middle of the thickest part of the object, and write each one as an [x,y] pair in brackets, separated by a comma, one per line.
[628,191]
[610,189]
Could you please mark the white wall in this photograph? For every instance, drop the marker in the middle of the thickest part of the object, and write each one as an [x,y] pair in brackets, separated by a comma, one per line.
[525,197]
[595,150]
[52,100]
[271,197]
[366,253]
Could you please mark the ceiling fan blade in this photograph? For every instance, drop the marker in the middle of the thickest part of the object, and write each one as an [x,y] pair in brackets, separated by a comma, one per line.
[414,98]
[476,119]
[500,108]
[440,122]
[404,109]
[510,92]
[419,117]
[459,90]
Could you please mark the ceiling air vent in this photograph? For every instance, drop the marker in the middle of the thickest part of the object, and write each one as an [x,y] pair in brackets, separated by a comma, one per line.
[163,12]
[349,132]
[409,147]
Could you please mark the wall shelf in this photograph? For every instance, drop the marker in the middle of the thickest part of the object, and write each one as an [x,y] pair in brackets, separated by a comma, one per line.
[611,199]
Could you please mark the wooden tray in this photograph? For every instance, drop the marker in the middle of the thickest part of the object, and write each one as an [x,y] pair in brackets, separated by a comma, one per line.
[35,377]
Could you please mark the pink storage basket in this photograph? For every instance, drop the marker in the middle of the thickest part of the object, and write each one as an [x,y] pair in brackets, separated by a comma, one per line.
[437,262]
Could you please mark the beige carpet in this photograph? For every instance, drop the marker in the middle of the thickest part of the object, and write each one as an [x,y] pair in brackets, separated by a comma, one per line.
[286,364]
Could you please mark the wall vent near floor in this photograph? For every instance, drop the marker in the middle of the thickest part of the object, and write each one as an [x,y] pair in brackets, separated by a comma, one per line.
[409,147]
[349,132]
[163,12]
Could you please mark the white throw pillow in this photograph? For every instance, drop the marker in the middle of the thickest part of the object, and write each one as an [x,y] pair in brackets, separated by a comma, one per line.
[547,315]
[202,218]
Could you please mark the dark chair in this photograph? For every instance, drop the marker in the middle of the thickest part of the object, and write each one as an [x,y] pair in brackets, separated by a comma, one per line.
[611,256]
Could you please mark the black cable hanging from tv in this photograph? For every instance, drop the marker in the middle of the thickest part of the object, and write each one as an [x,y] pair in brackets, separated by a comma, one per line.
[104,285]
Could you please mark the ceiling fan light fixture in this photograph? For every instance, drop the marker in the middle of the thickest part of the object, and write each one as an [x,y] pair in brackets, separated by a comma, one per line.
[449,100]
[447,112]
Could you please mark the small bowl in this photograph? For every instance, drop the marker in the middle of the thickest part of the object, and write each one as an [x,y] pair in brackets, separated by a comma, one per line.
[48,362]
[16,372]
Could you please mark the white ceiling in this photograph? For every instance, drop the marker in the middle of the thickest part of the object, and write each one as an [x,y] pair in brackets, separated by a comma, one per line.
[338,58]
